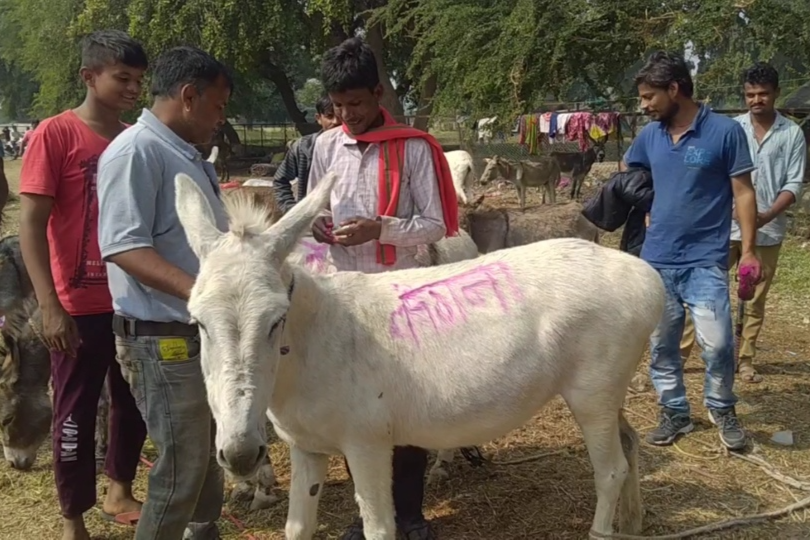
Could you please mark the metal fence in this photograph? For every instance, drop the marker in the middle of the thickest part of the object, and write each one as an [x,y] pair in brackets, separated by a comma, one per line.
[265,140]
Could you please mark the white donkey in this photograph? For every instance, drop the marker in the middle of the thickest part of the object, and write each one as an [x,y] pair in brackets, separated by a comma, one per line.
[335,360]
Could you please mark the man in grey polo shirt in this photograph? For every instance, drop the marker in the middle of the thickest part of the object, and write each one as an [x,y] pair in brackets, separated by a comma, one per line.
[151,270]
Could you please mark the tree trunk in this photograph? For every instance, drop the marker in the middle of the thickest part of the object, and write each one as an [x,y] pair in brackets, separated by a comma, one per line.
[278,77]
[390,100]
[425,106]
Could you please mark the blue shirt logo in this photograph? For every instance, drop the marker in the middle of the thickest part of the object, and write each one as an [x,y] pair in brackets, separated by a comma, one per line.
[699,158]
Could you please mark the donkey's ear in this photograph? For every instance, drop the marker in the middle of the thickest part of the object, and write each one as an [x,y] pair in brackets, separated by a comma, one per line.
[195,215]
[212,157]
[284,234]
[10,365]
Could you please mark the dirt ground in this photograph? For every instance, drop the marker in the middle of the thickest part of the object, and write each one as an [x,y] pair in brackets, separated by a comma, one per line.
[684,486]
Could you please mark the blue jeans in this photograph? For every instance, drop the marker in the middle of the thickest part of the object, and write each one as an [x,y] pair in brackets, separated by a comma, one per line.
[705,292]
[186,491]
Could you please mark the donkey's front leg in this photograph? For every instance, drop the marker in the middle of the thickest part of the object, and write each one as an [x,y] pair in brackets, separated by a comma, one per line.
[308,475]
[371,468]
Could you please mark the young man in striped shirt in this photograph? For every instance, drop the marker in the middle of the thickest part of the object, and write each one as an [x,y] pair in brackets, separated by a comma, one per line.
[394,193]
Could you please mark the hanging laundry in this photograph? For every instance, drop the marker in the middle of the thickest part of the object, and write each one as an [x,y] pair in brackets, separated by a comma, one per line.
[562,123]
[522,129]
[533,139]
[578,125]
[552,126]
[530,134]
[603,125]
[545,121]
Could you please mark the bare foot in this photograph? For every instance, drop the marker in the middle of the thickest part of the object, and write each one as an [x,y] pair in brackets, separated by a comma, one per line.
[120,500]
[74,529]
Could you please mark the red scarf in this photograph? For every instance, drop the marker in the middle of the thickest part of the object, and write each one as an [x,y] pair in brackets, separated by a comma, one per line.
[391,137]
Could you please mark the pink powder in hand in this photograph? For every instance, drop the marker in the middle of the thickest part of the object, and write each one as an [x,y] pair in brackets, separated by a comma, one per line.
[749,275]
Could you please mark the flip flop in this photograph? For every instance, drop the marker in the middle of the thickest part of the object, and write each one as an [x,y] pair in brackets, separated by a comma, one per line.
[130,519]
[749,375]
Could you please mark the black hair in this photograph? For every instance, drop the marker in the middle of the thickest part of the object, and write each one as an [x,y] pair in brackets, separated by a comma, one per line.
[349,66]
[324,105]
[105,47]
[762,74]
[664,68]
[184,65]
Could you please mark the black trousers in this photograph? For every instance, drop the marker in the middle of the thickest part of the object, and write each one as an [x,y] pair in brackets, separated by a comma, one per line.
[409,466]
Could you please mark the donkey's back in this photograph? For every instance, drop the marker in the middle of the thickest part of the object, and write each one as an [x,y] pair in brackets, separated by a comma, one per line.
[485,343]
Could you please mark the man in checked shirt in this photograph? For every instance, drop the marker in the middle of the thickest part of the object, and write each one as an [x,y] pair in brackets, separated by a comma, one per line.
[394,193]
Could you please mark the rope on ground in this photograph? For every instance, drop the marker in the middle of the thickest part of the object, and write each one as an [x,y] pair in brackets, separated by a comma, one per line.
[238,524]
[541,455]
[728,524]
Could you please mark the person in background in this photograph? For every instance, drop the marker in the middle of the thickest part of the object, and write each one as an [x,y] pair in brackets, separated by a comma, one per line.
[3,184]
[700,166]
[59,242]
[297,160]
[27,137]
[779,151]
[366,229]
[14,141]
[152,269]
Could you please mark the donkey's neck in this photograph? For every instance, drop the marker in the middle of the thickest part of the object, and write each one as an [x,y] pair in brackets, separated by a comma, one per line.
[308,295]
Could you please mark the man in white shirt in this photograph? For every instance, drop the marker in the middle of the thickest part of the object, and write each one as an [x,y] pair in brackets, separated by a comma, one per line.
[779,152]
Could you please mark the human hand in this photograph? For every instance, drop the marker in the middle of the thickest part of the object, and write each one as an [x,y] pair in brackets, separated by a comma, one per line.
[647,219]
[749,271]
[357,230]
[763,218]
[59,330]
[322,230]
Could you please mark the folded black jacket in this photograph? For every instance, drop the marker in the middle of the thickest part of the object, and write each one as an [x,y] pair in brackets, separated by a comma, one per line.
[624,200]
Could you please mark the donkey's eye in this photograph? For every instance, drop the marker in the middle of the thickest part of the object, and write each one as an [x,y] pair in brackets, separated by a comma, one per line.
[276,325]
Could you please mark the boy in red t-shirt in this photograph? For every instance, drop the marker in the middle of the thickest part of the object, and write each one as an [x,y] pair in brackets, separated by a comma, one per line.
[59,241]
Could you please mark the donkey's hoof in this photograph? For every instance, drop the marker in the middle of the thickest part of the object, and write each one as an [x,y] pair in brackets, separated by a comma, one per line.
[263,500]
[242,492]
[438,474]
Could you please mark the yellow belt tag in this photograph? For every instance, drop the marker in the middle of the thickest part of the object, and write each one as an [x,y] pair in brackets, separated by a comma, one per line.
[173,349]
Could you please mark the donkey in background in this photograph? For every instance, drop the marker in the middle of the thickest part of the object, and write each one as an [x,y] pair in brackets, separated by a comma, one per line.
[577,165]
[543,173]
[25,370]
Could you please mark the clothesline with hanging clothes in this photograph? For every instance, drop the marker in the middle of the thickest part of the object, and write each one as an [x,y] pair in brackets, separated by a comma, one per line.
[560,127]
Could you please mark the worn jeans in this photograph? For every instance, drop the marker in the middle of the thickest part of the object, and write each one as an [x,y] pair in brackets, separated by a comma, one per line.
[705,293]
[754,316]
[77,386]
[186,484]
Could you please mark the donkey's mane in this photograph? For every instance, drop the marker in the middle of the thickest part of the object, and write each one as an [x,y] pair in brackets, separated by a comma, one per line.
[246,215]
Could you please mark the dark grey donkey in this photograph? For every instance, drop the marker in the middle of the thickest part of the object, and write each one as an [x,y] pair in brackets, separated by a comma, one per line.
[25,406]
[577,165]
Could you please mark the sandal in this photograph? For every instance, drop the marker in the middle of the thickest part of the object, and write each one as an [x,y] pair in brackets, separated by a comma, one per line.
[749,375]
[129,519]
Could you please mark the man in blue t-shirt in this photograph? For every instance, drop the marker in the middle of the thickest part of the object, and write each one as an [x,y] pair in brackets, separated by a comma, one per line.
[700,165]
